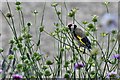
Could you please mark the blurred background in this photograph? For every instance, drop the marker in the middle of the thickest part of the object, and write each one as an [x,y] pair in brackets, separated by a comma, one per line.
[85,13]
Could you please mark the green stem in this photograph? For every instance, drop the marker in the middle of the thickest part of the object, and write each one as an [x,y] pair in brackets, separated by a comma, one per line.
[15,34]
[107,8]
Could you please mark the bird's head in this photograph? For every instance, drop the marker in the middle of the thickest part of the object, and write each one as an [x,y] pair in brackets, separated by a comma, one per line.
[72,26]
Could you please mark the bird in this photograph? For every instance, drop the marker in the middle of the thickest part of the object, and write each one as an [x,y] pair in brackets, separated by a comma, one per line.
[79,36]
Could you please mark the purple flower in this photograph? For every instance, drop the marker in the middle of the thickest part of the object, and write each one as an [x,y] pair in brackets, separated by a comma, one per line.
[117,56]
[1,71]
[79,65]
[17,76]
[111,75]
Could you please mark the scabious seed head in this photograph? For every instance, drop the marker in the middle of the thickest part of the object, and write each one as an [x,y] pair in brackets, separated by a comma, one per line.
[10,57]
[67,76]
[54,4]
[41,29]
[103,34]
[47,73]
[35,12]
[117,56]
[18,8]
[67,47]
[58,13]
[106,3]
[19,66]
[114,31]
[61,49]
[53,34]
[56,24]
[17,76]
[48,62]
[20,38]
[18,3]
[84,22]
[45,67]
[19,45]
[11,41]
[79,65]
[29,24]
[94,19]
[26,61]
[66,64]
[1,50]
[91,27]
[9,15]
[72,12]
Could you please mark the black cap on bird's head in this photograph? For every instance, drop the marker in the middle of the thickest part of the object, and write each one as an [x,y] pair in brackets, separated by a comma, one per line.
[72,26]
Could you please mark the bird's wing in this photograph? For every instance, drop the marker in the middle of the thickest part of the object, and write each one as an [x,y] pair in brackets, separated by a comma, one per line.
[79,32]
[82,38]
[87,42]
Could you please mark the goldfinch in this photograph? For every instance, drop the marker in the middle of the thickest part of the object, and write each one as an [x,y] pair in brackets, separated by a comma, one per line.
[79,36]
